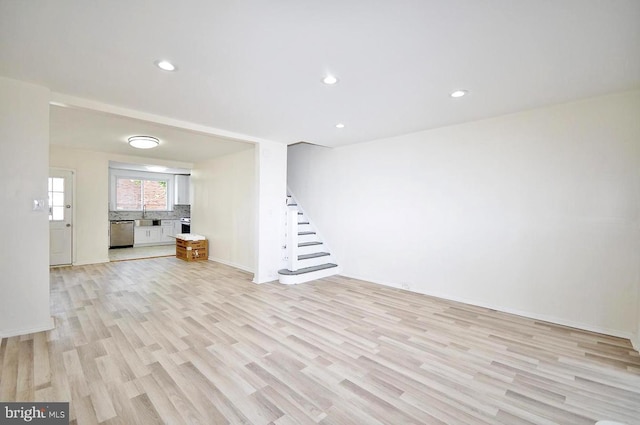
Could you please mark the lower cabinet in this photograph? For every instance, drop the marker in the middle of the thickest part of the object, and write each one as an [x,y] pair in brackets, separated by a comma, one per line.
[146,235]
[156,235]
[168,231]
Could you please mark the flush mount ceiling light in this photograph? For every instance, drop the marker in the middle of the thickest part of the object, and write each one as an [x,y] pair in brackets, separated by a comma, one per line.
[330,80]
[340,125]
[143,142]
[458,93]
[165,65]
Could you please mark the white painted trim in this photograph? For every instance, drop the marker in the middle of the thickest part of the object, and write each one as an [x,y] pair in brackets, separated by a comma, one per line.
[528,314]
[292,238]
[65,100]
[635,341]
[327,246]
[40,328]
[115,173]
[267,279]
[229,263]
[74,242]
[87,263]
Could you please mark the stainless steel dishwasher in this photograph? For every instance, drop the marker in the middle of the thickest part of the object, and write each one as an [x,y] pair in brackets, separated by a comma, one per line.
[121,234]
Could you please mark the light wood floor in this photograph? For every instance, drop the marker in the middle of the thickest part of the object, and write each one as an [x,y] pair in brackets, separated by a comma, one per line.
[165,341]
[138,252]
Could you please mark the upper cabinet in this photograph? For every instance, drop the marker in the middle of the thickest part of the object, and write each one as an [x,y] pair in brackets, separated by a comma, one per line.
[182,190]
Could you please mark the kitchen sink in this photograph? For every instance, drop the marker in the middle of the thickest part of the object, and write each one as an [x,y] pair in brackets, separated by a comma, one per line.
[147,222]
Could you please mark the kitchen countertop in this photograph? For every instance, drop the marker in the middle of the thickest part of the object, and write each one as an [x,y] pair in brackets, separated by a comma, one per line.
[153,215]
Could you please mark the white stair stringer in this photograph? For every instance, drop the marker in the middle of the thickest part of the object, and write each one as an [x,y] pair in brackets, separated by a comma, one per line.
[308,276]
[314,261]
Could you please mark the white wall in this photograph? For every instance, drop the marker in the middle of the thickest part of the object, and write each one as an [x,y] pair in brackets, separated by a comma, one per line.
[264,227]
[535,213]
[224,207]
[91,202]
[271,176]
[24,169]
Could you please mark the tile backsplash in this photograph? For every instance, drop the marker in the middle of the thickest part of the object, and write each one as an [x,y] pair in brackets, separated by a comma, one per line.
[179,211]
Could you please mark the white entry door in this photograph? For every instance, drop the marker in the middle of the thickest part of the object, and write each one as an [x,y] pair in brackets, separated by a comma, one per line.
[60,216]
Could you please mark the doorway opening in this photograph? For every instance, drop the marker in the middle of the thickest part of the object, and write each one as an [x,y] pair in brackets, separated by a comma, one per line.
[60,191]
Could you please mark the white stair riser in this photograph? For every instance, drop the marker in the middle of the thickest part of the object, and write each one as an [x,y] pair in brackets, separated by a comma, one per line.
[308,238]
[304,228]
[306,277]
[310,262]
[313,249]
[310,249]
[314,261]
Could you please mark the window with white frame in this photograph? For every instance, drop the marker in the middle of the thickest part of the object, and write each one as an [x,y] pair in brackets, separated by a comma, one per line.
[138,191]
[56,199]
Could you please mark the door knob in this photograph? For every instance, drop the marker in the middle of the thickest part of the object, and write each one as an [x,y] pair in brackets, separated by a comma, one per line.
[68,225]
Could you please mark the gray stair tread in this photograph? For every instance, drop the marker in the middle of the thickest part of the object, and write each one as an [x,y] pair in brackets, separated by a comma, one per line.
[314,255]
[306,233]
[307,269]
[309,244]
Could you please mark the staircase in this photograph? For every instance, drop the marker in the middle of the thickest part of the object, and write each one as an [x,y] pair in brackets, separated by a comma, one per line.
[307,256]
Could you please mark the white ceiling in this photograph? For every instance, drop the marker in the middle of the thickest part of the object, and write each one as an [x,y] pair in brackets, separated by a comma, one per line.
[148,168]
[102,132]
[254,67]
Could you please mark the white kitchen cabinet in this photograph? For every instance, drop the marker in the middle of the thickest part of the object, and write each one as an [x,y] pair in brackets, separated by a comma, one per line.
[147,235]
[177,228]
[182,190]
[169,231]
[156,235]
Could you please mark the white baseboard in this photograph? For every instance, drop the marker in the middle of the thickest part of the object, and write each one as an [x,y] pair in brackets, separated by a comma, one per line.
[89,262]
[229,263]
[269,279]
[50,324]
[529,314]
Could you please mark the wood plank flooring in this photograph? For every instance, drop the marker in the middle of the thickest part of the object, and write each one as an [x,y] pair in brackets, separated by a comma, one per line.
[166,341]
[138,252]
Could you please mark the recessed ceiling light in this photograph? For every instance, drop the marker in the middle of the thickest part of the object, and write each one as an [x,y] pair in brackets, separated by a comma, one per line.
[329,80]
[458,93]
[165,65]
[339,125]
[143,142]
[156,168]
